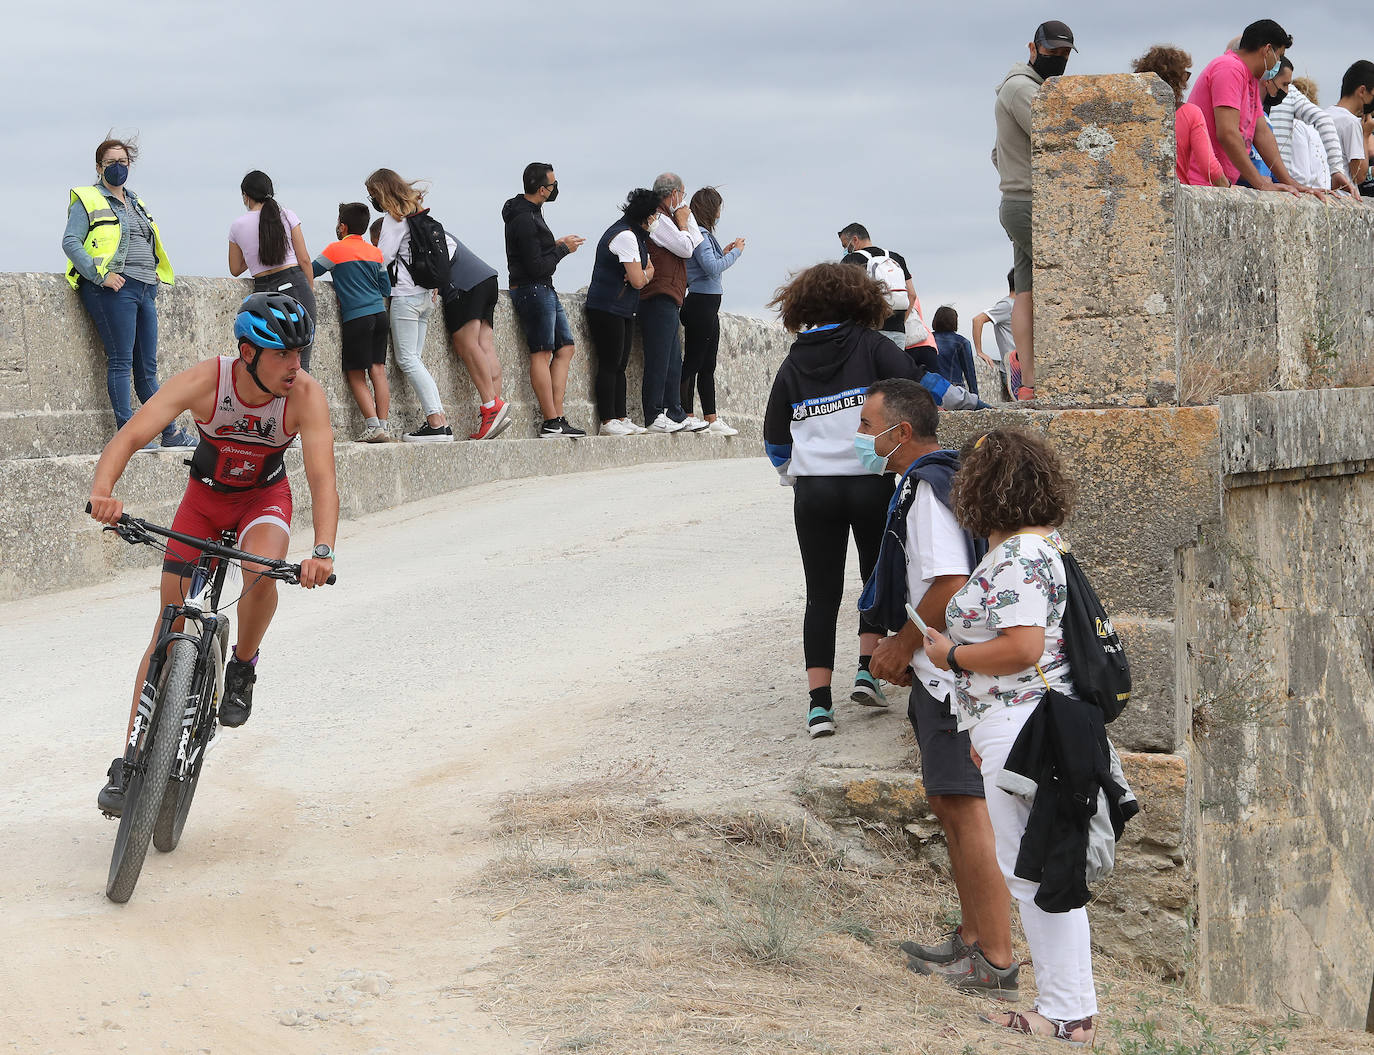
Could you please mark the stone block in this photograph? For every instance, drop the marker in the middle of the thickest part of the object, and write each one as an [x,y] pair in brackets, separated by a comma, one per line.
[1155,719]
[1103,202]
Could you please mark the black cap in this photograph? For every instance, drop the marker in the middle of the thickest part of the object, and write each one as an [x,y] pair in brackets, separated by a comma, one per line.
[1054,34]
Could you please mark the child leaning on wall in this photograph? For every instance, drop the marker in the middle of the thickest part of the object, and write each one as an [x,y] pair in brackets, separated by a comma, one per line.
[361,287]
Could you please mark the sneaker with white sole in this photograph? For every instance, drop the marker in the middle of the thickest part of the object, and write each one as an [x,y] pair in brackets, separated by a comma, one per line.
[638,430]
[428,433]
[820,722]
[692,423]
[719,428]
[867,692]
[615,427]
[557,428]
[663,423]
[373,434]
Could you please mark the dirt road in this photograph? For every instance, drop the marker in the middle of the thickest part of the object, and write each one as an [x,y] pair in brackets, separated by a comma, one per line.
[323,898]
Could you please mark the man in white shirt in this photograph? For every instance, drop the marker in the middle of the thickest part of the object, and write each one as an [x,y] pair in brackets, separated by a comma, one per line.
[1000,317]
[902,419]
[1357,99]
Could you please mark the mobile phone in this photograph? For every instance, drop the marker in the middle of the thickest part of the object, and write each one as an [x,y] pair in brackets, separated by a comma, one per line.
[920,623]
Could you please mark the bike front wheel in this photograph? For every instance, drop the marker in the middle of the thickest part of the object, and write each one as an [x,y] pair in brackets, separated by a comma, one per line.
[176,801]
[143,796]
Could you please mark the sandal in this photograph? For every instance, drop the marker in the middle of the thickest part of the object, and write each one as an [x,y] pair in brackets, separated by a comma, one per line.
[1063,1029]
[1025,394]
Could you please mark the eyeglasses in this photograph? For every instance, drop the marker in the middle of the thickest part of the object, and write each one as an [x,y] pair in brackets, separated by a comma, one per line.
[550,186]
[114,161]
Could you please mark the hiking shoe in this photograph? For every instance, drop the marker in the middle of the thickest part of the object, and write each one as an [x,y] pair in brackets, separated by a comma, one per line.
[951,949]
[494,421]
[616,427]
[374,434]
[428,433]
[972,973]
[719,428]
[237,703]
[111,797]
[558,428]
[692,423]
[820,722]
[176,439]
[636,429]
[663,423]
[867,691]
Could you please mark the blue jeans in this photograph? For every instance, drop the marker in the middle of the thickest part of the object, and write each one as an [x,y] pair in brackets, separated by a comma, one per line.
[126,320]
[542,317]
[658,326]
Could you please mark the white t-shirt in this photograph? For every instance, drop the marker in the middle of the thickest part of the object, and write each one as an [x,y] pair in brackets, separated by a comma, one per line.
[625,246]
[1019,583]
[935,546]
[1350,132]
[394,238]
[1000,314]
[1309,157]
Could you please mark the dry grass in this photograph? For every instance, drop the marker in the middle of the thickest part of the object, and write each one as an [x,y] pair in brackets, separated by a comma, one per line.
[641,929]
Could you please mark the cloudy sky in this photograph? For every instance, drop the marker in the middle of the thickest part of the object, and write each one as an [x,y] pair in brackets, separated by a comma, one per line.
[806,115]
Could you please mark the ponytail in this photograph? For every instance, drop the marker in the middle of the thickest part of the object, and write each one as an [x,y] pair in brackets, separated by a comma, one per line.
[257,186]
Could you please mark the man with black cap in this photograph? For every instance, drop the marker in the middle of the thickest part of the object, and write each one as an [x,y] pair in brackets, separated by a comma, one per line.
[1049,54]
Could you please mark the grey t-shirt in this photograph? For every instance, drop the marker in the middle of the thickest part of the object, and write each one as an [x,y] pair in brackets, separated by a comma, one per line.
[140,262]
[1000,314]
[468,268]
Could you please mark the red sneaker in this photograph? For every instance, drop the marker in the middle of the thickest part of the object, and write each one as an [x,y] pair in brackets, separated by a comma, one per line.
[494,421]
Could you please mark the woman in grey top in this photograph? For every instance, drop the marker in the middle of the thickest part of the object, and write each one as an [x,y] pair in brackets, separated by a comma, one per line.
[116,261]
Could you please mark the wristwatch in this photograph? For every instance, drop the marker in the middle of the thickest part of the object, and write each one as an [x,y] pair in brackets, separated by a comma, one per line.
[322,552]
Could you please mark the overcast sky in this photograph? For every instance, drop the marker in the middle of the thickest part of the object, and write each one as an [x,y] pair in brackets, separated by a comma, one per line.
[806,115]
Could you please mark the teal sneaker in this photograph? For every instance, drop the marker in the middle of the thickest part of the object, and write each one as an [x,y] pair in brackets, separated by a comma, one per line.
[820,722]
[867,691]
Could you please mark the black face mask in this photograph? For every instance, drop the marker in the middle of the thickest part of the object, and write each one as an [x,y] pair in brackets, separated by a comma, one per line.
[553,192]
[375,205]
[1050,65]
[1271,101]
[1369,108]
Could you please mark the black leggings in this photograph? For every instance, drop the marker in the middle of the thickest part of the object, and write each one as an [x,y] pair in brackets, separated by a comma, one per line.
[826,509]
[611,339]
[701,326]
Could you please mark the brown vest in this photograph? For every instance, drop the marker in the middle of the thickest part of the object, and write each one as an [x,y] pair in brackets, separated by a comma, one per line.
[670,270]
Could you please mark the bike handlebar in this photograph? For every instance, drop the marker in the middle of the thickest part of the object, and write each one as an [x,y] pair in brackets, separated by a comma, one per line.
[135,531]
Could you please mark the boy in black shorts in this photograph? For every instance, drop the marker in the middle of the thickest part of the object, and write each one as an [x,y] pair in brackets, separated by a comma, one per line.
[361,286]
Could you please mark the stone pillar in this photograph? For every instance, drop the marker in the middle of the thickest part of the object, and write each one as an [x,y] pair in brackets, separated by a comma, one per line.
[1103,228]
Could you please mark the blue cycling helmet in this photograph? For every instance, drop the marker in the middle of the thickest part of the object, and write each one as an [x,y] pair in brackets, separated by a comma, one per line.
[274,320]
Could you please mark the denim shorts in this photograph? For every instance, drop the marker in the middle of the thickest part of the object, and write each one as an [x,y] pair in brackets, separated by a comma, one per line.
[541,317]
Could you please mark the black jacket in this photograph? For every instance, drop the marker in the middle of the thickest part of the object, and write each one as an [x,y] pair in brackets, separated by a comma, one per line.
[1062,750]
[531,251]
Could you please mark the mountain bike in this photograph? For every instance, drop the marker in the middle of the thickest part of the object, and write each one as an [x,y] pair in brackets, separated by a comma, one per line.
[178,707]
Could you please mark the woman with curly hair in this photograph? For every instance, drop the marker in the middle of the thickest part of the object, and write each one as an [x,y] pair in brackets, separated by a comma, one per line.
[1006,648]
[809,431]
[1196,164]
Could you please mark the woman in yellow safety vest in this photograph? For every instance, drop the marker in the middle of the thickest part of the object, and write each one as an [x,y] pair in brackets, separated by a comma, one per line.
[115,262]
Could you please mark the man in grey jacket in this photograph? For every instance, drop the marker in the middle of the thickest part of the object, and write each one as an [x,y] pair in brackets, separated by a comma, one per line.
[1049,55]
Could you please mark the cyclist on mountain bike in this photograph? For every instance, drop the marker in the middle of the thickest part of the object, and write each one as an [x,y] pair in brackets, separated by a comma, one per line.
[248,408]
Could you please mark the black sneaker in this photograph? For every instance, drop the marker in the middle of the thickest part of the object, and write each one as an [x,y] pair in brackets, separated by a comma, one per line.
[428,433]
[111,797]
[557,428]
[570,429]
[237,704]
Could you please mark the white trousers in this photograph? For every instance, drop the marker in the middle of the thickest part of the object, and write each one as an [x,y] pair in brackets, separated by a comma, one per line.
[409,321]
[1060,943]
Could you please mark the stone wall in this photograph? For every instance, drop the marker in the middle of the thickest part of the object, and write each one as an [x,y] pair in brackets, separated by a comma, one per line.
[55,417]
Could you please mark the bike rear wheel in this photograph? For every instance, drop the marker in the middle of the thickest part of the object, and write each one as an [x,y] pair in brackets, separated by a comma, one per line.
[143,796]
[176,800]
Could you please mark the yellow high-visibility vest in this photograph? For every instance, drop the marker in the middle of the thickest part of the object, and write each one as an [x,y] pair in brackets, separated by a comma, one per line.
[103,237]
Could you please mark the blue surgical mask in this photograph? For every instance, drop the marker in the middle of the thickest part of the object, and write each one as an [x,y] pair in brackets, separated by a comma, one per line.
[1272,71]
[868,457]
[116,174]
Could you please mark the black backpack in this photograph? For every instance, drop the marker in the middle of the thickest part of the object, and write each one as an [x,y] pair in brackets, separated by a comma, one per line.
[1097,660]
[430,261]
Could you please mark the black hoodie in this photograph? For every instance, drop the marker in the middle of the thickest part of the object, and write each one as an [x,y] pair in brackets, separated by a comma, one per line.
[813,410]
[531,251]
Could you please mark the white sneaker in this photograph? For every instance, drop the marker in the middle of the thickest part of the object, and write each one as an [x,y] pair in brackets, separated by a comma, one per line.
[719,428]
[615,427]
[373,434]
[636,429]
[663,423]
[692,423]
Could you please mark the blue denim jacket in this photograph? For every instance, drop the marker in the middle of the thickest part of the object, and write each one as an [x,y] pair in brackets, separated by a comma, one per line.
[78,226]
[706,265]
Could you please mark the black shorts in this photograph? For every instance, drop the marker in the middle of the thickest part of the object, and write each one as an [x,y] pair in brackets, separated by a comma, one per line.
[479,302]
[364,341]
[946,766]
